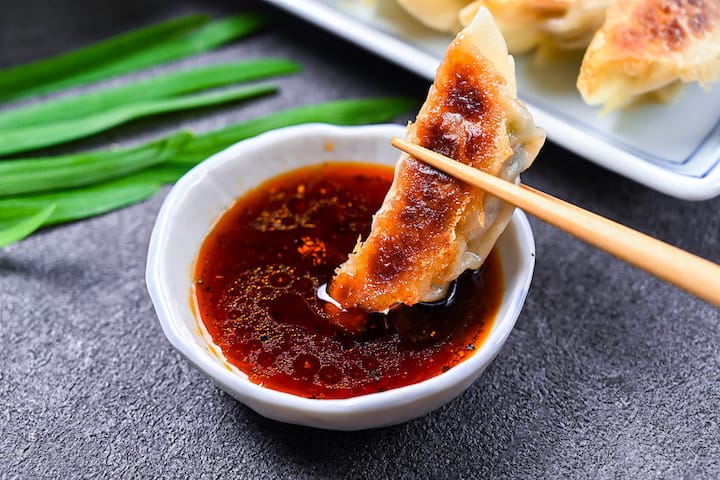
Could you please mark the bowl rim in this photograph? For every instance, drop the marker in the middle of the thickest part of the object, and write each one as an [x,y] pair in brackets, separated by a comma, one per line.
[464,372]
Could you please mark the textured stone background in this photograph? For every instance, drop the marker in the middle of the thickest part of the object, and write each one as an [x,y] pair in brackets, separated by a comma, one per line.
[608,374]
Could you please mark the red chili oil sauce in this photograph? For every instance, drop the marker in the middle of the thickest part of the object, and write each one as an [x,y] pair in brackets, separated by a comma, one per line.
[259,270]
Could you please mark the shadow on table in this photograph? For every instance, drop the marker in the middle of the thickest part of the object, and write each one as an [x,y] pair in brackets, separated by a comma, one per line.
[477,435]
[30,268]
[422,446]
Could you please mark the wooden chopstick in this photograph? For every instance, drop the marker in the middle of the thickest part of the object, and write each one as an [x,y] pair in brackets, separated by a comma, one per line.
[693,274]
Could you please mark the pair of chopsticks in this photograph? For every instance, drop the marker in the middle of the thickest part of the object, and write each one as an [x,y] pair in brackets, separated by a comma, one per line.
[689,272]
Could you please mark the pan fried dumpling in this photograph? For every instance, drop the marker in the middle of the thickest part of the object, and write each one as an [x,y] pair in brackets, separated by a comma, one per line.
[648,46]
[547,25]
[440,15]
[432,227]
[575,29]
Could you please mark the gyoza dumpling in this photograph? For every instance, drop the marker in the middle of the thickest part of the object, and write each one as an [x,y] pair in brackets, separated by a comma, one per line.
[440,15]
[543,24]
[649,45]
[432,227]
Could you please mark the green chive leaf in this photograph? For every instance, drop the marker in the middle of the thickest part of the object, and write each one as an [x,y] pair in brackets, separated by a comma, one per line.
[162,86]
[34,175]
[181,151]
[16,230]
[82,202]
[101,61]
[30,138]
[16,82]
[340,112]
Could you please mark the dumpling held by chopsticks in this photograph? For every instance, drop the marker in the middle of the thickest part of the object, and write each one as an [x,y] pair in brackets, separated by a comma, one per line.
[432,227]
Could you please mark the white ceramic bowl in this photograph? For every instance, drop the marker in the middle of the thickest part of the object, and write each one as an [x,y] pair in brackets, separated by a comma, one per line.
[203,194]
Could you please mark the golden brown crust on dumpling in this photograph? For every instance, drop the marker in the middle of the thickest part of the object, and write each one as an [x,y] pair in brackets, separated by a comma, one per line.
[414,241]
[661,26]
[646,45]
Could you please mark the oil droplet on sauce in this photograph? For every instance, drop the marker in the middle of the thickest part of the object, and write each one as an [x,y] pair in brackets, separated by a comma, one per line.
[259,270]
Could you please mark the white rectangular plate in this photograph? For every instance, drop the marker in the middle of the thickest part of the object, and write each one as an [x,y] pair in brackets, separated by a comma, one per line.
[672,148]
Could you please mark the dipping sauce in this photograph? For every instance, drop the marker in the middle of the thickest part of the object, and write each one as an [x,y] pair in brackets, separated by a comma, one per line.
[257,276]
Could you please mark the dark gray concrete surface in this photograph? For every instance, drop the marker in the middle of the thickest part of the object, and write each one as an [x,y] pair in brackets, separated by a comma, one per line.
[609,373]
